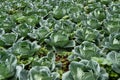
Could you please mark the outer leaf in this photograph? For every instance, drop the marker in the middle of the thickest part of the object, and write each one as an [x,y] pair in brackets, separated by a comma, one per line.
[21,74]
[24,48]
[22,29]
[55,76]
[9,38]
[67,76]
[40,73]
[7,65]
[79,74]
[112,42]
[57,39]
[48,61]
[39,33]
[87,50]
[114,57]
[2,31]
[85,70]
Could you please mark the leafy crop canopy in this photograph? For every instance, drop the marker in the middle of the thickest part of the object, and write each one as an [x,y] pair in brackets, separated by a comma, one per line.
[59,39]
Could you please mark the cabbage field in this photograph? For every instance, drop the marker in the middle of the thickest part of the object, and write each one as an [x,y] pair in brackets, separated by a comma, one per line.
[59,39]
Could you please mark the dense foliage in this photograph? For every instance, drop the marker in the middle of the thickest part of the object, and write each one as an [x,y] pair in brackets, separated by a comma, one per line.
[59,39]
